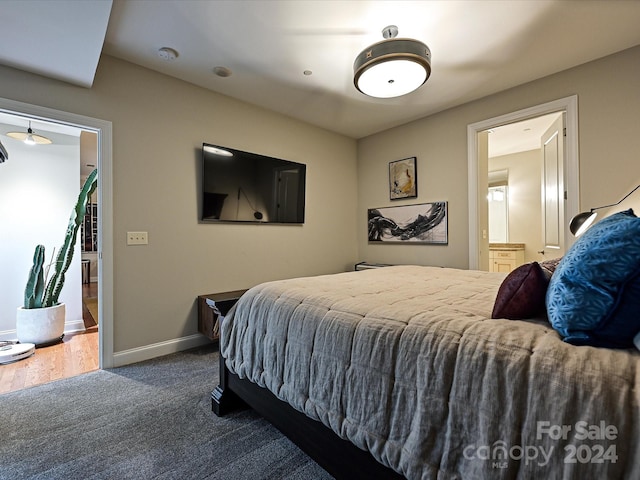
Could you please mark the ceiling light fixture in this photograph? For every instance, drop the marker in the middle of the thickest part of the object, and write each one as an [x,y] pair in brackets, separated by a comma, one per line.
[29,137]
[392,67]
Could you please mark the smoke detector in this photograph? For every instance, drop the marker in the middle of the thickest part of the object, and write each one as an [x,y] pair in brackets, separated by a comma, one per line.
[222,71]
[167,54]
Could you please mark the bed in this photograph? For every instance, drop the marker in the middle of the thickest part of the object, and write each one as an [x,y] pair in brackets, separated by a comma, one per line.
[437,373]
[406,364]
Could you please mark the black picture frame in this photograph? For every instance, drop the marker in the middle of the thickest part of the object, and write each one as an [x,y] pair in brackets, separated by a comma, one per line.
[425,223]
[403,179]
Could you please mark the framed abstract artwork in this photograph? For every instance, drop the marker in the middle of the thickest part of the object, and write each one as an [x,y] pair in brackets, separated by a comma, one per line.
[403,182]
[421,223]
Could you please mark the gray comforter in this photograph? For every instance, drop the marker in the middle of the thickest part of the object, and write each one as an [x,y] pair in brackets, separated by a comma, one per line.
[406,363]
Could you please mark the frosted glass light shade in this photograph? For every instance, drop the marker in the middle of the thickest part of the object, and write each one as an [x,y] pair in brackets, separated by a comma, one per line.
[392,68]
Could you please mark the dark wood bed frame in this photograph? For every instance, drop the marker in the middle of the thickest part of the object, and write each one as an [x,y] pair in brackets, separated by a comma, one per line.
[339,457]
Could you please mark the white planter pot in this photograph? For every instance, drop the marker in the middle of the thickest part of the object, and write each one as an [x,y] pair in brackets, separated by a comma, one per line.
[40,325]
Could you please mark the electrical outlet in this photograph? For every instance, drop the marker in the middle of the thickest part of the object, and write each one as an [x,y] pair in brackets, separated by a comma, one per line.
[137,238]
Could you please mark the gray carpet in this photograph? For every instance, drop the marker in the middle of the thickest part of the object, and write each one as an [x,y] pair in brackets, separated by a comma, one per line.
[150,420]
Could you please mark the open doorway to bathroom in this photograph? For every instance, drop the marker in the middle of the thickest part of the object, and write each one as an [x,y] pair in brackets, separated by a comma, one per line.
[565,111]
[525,192]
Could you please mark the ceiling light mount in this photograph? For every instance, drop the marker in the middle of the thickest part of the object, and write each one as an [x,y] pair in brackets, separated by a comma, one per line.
[392,67]
[390,32]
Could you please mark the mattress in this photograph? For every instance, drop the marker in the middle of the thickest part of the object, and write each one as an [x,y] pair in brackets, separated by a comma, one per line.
[405,362]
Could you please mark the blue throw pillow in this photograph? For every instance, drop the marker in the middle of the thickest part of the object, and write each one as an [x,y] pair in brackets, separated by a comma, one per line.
[593,296]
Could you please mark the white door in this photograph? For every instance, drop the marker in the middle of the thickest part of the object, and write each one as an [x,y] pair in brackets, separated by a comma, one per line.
[553,191]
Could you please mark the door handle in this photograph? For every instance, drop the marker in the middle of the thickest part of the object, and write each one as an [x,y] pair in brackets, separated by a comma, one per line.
[541,252]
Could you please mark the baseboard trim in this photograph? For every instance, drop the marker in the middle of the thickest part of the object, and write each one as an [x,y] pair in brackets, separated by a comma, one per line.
[9,335]
[148,352]
[73,326]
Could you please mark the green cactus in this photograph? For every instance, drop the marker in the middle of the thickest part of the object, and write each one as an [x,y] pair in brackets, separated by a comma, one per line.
[35,283]
[35,295]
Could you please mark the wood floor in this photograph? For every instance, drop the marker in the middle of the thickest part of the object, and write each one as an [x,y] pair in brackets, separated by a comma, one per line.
[75,355]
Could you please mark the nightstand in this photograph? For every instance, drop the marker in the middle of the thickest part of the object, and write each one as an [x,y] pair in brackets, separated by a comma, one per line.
[211,307]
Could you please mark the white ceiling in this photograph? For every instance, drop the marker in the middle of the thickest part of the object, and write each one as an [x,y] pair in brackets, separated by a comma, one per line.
[61,39]
[519,136]
[58,133]
[478,47]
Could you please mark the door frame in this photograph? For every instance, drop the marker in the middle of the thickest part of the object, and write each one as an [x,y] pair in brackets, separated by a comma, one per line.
[103,129]
[568,105]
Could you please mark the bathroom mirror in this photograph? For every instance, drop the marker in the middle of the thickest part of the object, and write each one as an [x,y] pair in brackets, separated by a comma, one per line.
[498,199]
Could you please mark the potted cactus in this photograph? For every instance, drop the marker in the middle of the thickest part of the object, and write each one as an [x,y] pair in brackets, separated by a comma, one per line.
[41,319]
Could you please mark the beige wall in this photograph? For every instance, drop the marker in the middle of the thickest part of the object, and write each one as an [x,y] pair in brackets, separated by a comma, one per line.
[159,124]
[608,102]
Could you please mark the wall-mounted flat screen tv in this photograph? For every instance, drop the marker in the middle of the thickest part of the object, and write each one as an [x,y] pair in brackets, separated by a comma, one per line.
[241,186]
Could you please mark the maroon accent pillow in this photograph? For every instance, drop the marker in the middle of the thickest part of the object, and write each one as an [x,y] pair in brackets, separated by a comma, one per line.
[522,293]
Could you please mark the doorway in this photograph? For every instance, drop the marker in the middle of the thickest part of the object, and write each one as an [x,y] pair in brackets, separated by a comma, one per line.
[104,254]
[478,174]
[525,183]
